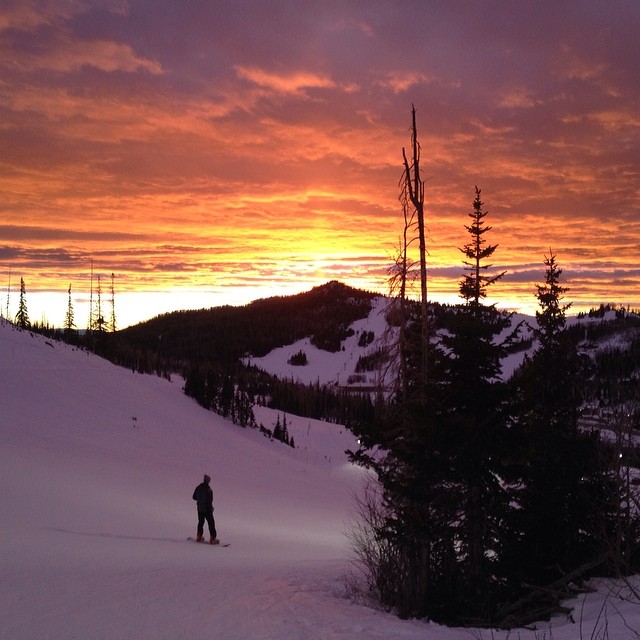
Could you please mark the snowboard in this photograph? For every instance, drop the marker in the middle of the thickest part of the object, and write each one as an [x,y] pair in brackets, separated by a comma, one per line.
[221,544]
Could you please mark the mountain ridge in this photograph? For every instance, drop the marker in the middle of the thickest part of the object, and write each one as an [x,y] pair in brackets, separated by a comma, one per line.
[226,333]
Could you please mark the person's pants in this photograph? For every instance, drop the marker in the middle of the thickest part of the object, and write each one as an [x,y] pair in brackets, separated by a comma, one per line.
[208,516]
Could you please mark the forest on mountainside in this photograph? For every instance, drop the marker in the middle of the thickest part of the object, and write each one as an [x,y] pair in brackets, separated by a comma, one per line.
[225,334]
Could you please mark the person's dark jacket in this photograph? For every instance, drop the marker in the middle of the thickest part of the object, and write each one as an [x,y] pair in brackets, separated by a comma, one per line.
[203,495]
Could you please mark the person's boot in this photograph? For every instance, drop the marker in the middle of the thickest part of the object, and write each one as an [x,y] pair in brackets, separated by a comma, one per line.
[214,540]
[199,538]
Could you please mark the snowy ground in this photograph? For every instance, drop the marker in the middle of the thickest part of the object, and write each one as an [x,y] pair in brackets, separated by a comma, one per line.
[338,368]
[326,367]
[97,468]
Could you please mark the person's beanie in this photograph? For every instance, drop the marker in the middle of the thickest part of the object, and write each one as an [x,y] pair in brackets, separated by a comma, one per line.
[207,479]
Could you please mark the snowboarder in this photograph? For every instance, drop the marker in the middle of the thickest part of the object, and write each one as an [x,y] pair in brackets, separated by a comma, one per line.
[203,495]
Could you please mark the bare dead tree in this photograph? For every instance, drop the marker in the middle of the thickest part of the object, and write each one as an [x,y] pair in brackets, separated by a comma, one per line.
[413,188]
[401,273]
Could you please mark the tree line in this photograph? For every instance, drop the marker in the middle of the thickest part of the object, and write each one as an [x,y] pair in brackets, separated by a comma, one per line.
[96,323]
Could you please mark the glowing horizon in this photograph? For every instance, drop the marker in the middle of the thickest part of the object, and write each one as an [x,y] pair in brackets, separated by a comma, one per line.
[205,159]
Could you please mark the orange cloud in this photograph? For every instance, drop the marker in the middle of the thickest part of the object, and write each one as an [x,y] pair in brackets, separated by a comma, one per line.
[292,83]
[402,81]
[268,159]
[68,56]
[29,14]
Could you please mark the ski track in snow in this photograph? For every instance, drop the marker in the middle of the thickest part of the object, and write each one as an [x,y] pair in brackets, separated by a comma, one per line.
[97,468]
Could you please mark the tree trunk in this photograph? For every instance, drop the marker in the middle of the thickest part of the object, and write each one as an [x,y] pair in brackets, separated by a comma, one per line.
[415,189]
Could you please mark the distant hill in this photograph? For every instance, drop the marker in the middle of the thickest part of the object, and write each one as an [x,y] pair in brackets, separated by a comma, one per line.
[224,334]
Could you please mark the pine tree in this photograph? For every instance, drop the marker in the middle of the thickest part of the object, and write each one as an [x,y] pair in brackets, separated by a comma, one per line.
[563,477]
[477,420]
[69,324]
[473,287]
[91,323]
[112,324]
[99,319]
[277,429]
[8,293]
[556,392]
[226,395]
[22,317]
[195,385]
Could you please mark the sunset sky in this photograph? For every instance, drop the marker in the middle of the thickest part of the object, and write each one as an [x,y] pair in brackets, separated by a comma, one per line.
[210,152]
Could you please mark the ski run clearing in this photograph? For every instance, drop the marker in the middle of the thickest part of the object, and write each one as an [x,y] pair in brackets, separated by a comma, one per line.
[98,465]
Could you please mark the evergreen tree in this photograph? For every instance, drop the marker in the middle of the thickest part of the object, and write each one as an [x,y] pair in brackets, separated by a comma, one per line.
[225,397]
[551,317]
[100,322]
[564,481]
[112,324]
[69,324]
[8,293]
[473,287]
[555,364]
[277,429]
[22,317]
[194,385]
[475,419]
[91,323]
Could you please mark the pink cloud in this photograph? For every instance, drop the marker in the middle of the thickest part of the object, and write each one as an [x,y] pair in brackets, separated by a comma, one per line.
[292,82]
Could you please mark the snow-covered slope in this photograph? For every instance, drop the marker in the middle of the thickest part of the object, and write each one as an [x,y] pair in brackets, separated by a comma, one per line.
[97,468]
[323,366]
[339,368]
